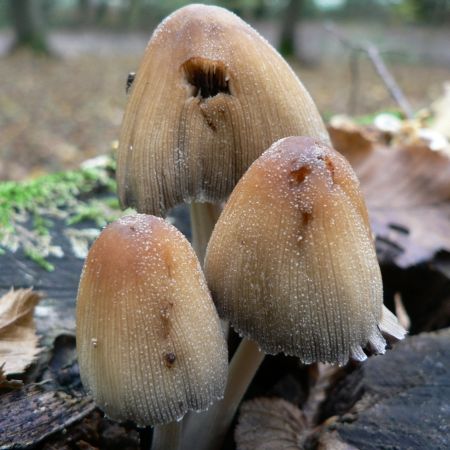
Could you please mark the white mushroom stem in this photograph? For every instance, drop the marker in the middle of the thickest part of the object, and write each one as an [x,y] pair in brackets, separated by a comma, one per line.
[203,218]
[207,430]
[167,437]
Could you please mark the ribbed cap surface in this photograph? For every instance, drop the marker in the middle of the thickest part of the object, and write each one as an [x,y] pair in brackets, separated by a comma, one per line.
[209,97]
[149,341]
[291,262]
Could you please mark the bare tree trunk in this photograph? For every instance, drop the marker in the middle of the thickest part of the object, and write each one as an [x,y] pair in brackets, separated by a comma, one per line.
[132,14]
[287,43]
[26,16]
[84,12]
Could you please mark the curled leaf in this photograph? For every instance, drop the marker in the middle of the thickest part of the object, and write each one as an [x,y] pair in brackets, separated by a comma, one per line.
[270,424]
[5,383]
[18,339]
[407,190]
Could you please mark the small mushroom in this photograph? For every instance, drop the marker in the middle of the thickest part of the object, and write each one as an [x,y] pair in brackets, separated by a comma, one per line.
[150,346]
[291,264]
[209,97]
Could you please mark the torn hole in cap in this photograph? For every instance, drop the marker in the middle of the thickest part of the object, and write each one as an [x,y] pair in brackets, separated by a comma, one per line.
[207,77]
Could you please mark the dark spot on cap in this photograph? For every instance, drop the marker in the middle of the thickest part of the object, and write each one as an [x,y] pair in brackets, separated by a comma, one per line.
[306,217]
[169,359]
[300,174]
[329,165]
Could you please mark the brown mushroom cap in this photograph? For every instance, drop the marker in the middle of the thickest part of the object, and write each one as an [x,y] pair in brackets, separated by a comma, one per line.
[291,262]
[209,97]
[150,345]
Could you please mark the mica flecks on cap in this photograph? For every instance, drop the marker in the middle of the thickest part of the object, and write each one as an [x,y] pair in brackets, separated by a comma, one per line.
[149,341]
[291,262]
[209,97]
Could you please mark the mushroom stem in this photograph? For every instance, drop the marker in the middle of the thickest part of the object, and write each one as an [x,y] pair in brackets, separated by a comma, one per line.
[203,218]
[167,437]
[207,430]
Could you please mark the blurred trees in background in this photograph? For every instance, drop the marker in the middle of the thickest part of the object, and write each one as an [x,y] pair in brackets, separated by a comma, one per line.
[27,18]
[31,18]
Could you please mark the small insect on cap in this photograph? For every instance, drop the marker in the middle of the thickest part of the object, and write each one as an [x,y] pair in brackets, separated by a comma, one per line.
[209,97]
[291,262]
[149,341]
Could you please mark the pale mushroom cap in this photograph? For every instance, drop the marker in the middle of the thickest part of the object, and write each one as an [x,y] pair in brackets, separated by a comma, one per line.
[209,97]
[291,262]
[149,341]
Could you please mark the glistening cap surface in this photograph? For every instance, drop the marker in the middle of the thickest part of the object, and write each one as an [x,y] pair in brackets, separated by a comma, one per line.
[209,97]
[150,345]
[291,262]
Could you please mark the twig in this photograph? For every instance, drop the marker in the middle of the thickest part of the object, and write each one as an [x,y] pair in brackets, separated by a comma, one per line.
[375,58]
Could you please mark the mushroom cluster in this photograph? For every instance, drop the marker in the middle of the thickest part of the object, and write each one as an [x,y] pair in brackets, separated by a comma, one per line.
[290,263]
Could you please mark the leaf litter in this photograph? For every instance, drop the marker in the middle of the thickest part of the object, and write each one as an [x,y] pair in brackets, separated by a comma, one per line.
[19,343]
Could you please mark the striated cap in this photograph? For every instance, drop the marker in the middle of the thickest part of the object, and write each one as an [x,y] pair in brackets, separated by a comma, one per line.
[291,262]
[149,341]
[209,97]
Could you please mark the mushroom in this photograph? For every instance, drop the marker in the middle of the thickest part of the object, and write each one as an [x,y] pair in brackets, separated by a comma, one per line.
[149,342]
[291,264]
[209,97]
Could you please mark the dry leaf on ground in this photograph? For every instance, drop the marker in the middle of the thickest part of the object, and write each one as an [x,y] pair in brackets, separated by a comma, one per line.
[408,195]
[270,424]
[331,441]
[6,384]
[18,339]
[407,190]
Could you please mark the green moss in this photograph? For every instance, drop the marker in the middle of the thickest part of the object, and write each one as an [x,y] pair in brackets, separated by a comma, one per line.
[27,208]
[39,259]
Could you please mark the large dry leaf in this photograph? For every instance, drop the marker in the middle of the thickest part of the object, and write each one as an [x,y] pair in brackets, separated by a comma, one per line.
[18,339]
[270,424]
[407,189]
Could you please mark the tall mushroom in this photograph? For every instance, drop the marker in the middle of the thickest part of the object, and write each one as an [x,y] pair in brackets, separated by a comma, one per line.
[150,346]
[209,97]
[291,264]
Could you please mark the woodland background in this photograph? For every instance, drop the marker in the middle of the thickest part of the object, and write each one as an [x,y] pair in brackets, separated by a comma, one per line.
[379,71]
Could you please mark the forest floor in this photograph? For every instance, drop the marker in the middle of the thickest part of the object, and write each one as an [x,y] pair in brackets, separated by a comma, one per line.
[56,112]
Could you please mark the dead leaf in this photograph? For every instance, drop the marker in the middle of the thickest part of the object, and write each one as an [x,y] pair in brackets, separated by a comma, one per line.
[270,424]
[407,191]
[348,136]
[18,339]
[331,441]
[6,384]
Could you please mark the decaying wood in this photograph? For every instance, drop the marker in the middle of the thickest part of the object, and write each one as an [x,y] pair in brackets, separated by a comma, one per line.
[31,414]
[396,401]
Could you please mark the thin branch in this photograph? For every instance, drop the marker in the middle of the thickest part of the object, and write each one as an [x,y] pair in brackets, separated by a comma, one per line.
[380,67]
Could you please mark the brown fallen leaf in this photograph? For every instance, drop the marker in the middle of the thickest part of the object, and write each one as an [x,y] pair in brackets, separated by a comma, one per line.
[407,191]
[270,424]
[331,441]
[6,384]
[348,136]
[18,339]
